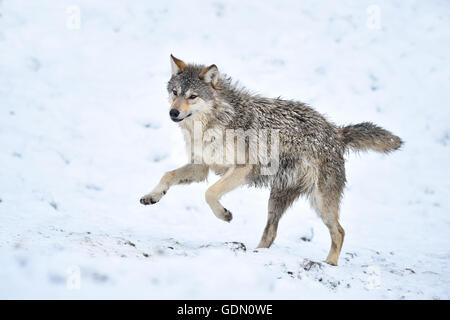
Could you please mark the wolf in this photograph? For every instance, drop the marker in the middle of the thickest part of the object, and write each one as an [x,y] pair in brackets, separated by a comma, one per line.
[310,149]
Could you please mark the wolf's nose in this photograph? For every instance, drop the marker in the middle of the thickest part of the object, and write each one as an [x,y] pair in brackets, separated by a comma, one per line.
[174,113]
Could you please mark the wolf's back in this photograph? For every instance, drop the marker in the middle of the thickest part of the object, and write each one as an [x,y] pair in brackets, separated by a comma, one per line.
[368,136]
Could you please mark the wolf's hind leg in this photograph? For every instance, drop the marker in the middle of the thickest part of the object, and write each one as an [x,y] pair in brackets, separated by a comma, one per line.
[232,179]
[186,174]
[337,239]
[327,207]
[279,201]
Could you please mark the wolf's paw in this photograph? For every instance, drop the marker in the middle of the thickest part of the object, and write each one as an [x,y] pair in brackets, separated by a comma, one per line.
[331,261]
[226,215]
[152,198]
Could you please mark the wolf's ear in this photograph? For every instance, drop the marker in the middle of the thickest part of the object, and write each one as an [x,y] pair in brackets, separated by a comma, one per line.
[210,75]
[177,65]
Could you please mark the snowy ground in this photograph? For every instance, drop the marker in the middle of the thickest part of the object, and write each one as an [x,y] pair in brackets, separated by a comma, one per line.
[84,132]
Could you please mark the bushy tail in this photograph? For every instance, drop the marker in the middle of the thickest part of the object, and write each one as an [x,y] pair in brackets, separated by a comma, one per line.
[368,136]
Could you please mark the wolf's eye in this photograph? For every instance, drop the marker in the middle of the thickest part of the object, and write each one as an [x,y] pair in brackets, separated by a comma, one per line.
[174,92]
[192,96]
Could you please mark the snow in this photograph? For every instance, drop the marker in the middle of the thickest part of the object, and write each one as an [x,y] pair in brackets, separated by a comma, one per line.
[85,132]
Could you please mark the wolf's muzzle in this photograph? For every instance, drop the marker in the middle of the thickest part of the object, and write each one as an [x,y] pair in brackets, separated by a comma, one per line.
[174,113]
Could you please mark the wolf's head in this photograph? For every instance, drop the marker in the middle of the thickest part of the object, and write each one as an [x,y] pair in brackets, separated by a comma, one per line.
[191,89]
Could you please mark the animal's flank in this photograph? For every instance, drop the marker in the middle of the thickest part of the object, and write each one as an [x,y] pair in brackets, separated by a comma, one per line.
[368,136]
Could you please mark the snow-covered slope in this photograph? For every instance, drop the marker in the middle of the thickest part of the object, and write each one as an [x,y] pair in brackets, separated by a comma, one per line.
[84,132]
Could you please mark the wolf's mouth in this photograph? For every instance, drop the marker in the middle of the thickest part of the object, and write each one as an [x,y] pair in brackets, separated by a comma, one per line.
[178,120]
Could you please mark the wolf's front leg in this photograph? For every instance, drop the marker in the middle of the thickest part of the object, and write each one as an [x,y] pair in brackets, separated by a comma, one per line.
[186,174]
[232,179]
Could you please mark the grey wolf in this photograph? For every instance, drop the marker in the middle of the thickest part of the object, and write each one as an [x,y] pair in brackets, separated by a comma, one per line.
[310,153]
